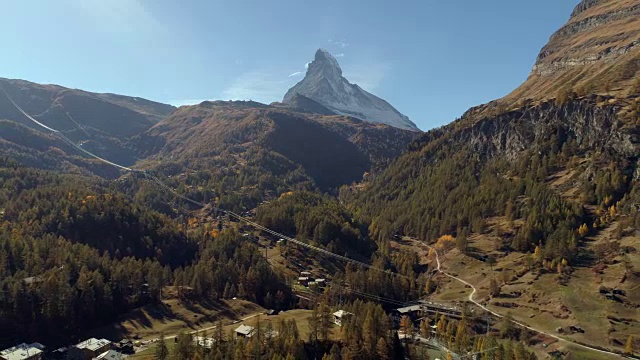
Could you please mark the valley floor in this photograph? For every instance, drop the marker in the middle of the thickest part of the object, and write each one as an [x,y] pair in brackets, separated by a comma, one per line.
[540,301]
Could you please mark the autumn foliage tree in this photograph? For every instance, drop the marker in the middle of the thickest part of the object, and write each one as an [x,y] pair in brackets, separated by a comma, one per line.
[406,326]
[494,288]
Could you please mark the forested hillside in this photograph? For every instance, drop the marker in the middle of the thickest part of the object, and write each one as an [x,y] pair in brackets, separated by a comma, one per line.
[75,252]
[538,191]
[452,180]
[245,152]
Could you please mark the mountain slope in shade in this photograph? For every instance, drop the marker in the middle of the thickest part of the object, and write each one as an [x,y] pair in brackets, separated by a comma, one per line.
[304,104]
[330,150]
[325,84]
[100,123]
[68,109]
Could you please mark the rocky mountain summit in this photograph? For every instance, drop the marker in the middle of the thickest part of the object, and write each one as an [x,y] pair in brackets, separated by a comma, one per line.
[325,84]
[598,50]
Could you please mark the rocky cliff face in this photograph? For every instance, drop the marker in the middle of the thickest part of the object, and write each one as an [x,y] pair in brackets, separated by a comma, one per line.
[557,56]
[598,50]
[325,84]
[594,127]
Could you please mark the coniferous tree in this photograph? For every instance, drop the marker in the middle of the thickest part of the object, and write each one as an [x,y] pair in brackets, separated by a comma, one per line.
[184,348]
[161,350]
[382,349]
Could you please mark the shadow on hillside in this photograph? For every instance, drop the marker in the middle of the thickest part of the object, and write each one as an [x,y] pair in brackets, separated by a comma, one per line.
[141,318]
[476,253]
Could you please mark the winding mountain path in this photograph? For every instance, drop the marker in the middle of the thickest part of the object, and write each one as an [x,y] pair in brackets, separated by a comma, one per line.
[471,299]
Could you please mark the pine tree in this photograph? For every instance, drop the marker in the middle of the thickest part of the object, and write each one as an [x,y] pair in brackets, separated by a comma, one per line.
[184,347]
[441,327]
[462,242]
[508,351]
[462,338]
[506,326]
[424,328]
[537,253]
[382,349]
[334,353]
[369,334]
[314,326]
[520,352]
[406,325]
[489,348]
[324,321]
[629,346]
[509,211]
[491,261]
[583,230]
[161,352]
[494,288]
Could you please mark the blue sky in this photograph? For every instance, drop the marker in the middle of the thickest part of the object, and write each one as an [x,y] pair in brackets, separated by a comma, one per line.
[431,59]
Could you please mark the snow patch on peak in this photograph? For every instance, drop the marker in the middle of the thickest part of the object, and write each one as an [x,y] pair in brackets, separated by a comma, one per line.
[325,84]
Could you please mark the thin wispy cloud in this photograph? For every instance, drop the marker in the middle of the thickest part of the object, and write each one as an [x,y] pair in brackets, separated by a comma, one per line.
[260,86]
[298,73]
[339,55]
[342,44]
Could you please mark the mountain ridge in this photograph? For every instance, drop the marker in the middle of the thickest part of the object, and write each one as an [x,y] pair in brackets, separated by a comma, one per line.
[196,133]
[102,123]
[64,108]
[597,50]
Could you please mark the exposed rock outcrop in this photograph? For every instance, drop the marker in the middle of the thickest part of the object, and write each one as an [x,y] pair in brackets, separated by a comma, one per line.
[325,84]
[598,50]
[594,127]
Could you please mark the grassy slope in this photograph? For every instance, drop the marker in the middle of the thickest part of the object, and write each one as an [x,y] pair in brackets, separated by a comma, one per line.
[613,73]
[544,303]
[300,316]
[174,316]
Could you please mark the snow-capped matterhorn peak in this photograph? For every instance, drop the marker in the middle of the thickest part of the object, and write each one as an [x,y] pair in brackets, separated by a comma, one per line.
[325,84]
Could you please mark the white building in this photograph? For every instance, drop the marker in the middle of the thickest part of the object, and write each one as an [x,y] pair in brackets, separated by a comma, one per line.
[244,331]
[204,342]
[91,348]
[340,316]
[23,352]
[110,355]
